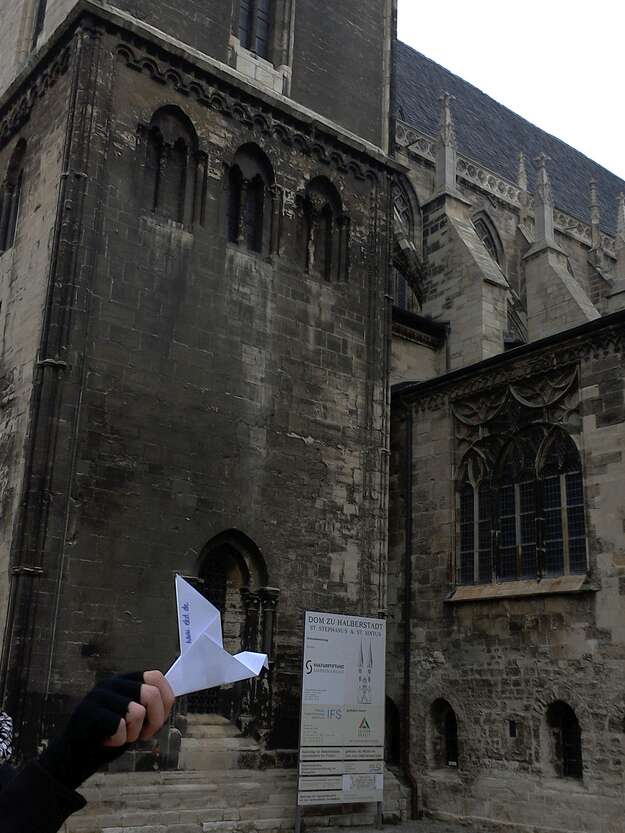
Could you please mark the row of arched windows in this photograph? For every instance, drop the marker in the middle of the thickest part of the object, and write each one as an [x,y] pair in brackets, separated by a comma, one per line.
[524,517]
[174,188]
[10,197]
[564,738]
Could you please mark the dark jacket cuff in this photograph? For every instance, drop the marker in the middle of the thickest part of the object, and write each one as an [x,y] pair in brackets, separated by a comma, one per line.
[35,802]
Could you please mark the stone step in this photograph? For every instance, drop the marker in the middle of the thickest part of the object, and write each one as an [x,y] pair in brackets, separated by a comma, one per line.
[198,754]
[211,730]
[207,720]
[237,801]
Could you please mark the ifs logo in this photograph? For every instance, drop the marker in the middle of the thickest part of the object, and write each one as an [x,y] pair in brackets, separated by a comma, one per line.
[364,730]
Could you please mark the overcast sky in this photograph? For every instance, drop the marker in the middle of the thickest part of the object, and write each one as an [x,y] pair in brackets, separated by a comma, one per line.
[558,63]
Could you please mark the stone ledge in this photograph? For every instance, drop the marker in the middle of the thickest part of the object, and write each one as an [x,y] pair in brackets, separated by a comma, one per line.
[518,589]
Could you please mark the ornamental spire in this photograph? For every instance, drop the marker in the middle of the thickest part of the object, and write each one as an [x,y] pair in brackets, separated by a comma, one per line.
[543,204]
[595,215]
[619,269]
[446,151]
[521,177]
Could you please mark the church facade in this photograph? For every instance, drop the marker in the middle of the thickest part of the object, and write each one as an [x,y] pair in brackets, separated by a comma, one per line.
[314,332]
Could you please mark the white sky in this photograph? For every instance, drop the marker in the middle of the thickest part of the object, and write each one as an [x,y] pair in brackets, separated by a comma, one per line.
[558,63]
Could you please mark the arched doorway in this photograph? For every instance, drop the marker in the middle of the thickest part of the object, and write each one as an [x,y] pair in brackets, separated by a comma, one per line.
[232,574]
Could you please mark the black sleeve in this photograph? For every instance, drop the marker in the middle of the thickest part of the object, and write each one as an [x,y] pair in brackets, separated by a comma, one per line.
[35,802]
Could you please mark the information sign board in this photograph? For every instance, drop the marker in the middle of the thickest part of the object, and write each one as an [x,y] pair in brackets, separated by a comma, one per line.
[342,717]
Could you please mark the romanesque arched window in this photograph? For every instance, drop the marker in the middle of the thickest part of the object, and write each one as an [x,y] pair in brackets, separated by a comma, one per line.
[255,23]
[249,185]
[173,179]
[565,740]
[407,270]
[326,231]
[444,726]
[10,196]
[486,231]
[523,516]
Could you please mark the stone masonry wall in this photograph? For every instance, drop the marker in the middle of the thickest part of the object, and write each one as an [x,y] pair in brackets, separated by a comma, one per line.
[502,660]
[209,389]
[24,270]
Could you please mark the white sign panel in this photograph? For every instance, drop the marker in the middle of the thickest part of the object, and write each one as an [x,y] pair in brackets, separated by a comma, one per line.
[342,717]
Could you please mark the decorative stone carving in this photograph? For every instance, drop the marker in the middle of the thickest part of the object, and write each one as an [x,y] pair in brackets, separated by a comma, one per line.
[423,146]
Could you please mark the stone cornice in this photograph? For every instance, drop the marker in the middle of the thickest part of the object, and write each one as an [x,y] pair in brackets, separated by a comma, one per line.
[420,144]
[601,337]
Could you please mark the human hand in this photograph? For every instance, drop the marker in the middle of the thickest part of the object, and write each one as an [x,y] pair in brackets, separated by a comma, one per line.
[147,711]
[114,714]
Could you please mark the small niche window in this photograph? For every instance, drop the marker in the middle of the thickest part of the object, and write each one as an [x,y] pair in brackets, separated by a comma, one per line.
[39,20]
[326,231]
[565,740]
[250,184]
[174,178]
[444,735]
[522,517]
[10,197]
[255,25]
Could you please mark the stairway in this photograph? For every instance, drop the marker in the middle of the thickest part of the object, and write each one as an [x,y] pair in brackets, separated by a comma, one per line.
[212,743]
[211,794]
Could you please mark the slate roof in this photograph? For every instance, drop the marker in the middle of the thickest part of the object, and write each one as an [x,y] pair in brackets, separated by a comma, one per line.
[493,135]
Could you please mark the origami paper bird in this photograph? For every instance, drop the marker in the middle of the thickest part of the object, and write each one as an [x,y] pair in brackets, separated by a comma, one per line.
[203,662]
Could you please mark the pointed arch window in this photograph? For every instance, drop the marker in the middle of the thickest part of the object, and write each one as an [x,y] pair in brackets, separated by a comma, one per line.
[175,170]
[524,517]
[326,231]
[407,271]
[250,192]
[10,197]
[255,25]
[485,230]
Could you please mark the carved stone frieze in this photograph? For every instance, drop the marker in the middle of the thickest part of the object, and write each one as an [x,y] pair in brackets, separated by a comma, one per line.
[216,95]
[546,399]
[598,344]
[17,111]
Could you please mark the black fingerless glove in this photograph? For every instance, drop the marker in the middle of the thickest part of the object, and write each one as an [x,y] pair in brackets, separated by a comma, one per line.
[75,755]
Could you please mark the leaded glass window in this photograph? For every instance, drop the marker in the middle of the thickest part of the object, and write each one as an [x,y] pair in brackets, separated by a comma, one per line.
[526,518]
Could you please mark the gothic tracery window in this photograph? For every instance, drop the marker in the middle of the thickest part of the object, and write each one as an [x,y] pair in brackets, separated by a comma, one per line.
[255,19]
[173,181]
[523,518]
[250,182]
[10,197]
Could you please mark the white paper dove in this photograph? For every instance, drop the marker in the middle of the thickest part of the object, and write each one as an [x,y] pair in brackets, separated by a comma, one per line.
[203,662]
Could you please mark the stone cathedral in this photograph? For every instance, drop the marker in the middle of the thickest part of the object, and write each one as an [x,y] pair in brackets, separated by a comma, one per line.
[292,311]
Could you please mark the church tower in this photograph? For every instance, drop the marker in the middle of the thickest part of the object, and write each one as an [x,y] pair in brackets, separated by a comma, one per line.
[195,318]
